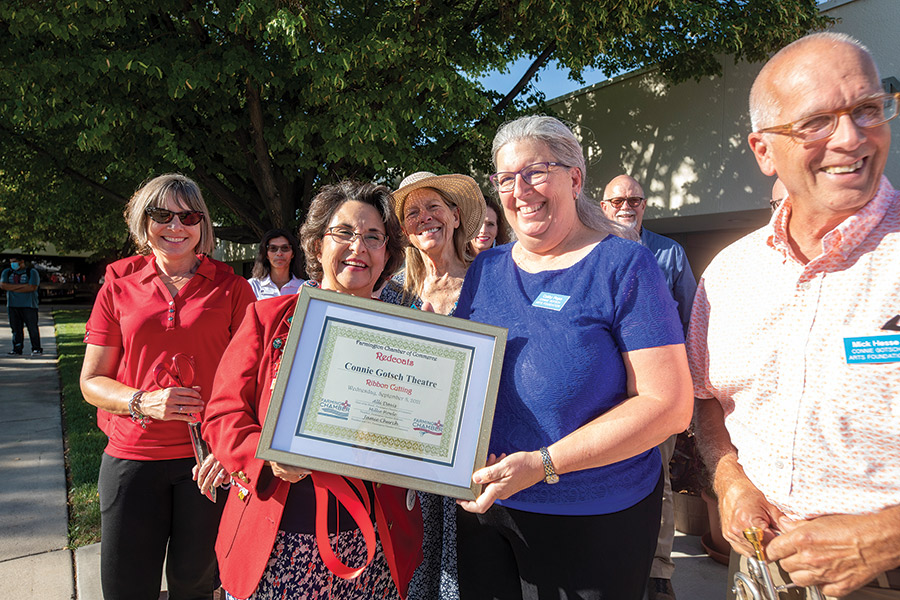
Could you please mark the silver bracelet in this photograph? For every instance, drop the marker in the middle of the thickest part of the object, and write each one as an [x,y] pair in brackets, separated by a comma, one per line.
[134,408]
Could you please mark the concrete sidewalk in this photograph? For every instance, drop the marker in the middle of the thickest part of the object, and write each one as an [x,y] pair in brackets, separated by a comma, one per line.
[34,561]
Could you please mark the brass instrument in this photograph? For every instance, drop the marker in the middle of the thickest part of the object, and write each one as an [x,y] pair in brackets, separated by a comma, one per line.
[758,584]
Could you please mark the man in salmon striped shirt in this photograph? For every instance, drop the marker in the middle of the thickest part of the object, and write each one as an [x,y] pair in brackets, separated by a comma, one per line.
[794,339]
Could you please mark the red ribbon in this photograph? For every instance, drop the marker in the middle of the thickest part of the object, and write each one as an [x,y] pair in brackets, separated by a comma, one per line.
[360,510]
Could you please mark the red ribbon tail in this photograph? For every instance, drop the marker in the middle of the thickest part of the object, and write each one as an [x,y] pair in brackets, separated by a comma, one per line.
[323,484]
[387,544]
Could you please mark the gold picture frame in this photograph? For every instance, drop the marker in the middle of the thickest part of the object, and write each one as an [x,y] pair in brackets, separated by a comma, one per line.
[384,393]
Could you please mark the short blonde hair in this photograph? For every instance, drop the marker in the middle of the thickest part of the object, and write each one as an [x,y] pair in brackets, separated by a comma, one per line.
[155,193]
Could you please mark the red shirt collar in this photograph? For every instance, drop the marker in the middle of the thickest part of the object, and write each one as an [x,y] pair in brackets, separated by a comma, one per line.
[206,269]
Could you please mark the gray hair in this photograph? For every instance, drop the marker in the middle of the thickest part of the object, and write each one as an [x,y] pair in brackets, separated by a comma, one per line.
[764,106]
[566,149]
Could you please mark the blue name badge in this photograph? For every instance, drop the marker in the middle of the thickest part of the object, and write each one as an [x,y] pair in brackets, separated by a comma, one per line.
[872,349]
[552,301]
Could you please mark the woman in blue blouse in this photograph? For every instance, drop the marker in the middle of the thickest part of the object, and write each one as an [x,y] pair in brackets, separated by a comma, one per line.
[594,378]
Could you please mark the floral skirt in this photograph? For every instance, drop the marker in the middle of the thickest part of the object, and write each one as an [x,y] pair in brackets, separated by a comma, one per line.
[436,577]
[295,570]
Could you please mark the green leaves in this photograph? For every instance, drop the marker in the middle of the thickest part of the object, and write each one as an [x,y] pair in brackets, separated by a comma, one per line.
[103,95]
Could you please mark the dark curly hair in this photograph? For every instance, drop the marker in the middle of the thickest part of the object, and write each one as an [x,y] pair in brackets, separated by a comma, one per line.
[262,267]
[328,201]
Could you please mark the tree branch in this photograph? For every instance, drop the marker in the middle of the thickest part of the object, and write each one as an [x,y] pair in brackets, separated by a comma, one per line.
[261,152]
[65,169]
[485,18]
[498,108]
[539,62]
[231,200]
[196,28]
[469,23]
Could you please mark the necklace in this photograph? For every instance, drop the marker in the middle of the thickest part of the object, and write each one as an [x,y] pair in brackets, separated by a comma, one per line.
[177,278]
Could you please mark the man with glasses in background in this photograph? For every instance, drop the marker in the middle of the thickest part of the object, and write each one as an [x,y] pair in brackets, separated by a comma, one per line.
[794,341]
[624,202]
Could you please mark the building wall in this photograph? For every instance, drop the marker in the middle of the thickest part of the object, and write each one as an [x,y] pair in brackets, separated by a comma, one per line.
[239,257]
[687,144]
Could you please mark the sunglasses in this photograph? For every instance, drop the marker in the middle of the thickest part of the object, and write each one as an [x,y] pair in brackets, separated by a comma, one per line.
[633,201]
[162,215]
[286,249]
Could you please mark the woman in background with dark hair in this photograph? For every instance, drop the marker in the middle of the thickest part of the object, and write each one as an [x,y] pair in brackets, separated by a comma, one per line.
[276,271]
[494,230]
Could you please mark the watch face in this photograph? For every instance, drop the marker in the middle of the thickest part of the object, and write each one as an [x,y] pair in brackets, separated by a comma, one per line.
[550,475]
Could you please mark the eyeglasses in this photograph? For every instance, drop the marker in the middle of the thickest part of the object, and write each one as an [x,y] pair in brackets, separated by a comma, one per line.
[272,248]
[633,201]
[162,215]
[373,240]
[533,174]
[867,114]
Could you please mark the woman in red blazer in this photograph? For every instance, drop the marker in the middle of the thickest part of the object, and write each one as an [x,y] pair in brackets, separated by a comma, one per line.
[266,544]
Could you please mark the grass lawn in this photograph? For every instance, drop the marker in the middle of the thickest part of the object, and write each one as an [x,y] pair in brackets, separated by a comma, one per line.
[84,443]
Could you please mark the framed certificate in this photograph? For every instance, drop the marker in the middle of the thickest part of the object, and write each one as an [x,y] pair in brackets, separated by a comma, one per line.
[384,393]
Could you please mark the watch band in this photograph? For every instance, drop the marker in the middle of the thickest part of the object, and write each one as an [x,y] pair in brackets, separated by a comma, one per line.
[550,475]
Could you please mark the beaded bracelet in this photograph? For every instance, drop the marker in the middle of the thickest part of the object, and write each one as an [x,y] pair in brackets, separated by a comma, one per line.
[133,407]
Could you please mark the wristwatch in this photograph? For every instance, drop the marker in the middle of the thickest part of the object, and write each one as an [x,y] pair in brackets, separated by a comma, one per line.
[550,475]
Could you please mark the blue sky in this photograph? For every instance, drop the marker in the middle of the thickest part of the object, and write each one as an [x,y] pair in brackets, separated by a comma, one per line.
[551,80]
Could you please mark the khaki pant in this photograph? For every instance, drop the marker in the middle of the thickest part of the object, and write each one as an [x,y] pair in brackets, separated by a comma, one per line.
[663,567]
[779,577]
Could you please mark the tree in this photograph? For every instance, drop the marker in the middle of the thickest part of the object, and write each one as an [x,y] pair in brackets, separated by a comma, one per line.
[264,101]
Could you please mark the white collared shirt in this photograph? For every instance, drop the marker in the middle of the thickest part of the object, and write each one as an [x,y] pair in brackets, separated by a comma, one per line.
[266,288]
[816,432]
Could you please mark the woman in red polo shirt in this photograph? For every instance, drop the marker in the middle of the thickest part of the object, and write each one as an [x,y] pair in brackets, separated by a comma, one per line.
[180,302]
[267,546]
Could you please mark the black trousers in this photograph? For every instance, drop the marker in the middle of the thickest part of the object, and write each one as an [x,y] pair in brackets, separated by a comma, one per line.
[20,316]
[147,506]
[508,554]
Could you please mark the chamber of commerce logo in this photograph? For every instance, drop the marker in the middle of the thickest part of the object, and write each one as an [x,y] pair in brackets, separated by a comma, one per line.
[335,409]
[430,427]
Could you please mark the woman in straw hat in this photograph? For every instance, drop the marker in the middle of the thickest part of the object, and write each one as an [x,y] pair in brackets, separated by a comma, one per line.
[439,214]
